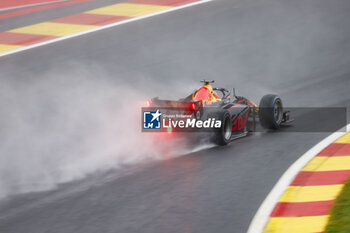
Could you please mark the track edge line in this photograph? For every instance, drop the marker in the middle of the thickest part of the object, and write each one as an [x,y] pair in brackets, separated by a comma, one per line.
[102,27]
[262,216]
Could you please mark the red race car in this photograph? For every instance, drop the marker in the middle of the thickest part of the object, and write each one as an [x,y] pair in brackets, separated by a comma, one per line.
[237,115]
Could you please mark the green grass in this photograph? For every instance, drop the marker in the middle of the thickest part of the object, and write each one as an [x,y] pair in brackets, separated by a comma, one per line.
[339,221]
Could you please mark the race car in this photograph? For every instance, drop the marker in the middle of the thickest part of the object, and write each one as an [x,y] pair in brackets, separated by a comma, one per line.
[237,114]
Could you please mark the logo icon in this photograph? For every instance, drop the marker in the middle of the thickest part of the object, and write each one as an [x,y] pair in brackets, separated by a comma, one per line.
[151,120]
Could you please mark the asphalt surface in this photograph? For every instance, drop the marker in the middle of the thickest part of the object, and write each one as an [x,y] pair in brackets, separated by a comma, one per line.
[298,49]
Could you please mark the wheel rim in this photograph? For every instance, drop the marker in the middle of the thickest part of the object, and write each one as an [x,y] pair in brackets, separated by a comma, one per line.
[277,111]
[227,130]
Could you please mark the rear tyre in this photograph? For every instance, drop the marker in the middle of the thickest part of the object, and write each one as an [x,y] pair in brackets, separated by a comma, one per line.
[223,136]
[270,111]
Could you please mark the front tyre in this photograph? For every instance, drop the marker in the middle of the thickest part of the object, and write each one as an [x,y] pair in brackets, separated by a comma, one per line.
[270,111]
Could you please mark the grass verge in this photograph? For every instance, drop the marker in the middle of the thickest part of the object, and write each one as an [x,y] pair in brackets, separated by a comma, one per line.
[339,221]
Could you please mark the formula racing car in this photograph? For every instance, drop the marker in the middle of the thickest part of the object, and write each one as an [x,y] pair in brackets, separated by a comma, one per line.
[237,114]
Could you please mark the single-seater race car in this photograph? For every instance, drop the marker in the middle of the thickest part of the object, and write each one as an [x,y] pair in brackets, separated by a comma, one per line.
[237,114]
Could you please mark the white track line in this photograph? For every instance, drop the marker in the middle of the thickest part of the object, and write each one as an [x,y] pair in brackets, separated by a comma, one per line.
[102,27]
[31,5]
[262,216]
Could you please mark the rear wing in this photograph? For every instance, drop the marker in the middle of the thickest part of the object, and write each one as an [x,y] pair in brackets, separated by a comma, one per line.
[187,104]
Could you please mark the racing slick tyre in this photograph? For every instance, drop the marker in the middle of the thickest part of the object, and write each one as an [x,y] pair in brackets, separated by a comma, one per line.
[223,135]
[270,111]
